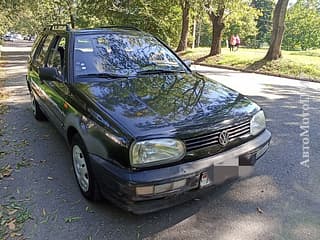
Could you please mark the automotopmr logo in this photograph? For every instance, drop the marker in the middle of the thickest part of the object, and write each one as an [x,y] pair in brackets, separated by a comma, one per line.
[305,132]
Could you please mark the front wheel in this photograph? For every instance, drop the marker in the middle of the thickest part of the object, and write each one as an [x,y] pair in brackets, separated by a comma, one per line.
[82,169]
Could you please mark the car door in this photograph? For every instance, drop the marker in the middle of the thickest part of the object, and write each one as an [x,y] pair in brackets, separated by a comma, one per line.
[38,86]
[57,91]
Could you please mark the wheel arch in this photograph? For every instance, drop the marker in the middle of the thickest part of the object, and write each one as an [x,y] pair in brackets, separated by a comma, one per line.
[71,132]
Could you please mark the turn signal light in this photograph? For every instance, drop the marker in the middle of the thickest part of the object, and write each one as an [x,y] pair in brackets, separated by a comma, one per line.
[161,188]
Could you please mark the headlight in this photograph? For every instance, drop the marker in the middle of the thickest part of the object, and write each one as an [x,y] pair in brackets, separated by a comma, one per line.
[157,151]
[257,123]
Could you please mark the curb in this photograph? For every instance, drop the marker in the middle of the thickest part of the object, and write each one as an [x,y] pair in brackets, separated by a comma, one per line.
[262,73]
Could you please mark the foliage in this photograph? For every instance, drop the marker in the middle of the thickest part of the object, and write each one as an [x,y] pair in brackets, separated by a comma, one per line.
[302,26]
[237,16]
[9,12]
[242,22]
[264,21]
[251,19]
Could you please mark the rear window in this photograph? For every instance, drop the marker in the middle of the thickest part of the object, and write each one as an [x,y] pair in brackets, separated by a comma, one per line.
[42,50]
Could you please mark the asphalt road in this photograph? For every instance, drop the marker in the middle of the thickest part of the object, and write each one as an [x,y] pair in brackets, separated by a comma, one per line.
[281,200]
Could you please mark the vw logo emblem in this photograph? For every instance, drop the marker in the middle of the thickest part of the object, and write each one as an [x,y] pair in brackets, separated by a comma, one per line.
[224,138]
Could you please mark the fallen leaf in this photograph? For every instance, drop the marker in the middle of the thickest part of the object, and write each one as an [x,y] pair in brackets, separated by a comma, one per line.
[44,213]
[15,234]
[89,210]
[11,225]
[5,171]
[50,178]
[71,219]
[259,210]
[12,212]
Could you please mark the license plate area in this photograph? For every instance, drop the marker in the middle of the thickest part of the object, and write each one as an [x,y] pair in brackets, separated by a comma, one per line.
[225,169]
[220,171]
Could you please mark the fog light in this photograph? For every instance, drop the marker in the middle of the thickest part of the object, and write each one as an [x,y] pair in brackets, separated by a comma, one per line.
[179,184]
[163,188]
[147,190]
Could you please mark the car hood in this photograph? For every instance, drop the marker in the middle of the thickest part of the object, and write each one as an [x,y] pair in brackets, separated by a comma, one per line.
[167,104]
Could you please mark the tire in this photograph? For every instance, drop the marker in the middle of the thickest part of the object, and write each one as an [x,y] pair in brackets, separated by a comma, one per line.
[82,170]
[37,113]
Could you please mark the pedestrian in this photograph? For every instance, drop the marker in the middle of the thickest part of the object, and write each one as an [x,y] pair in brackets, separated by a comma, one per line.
[232,42]
[237,39]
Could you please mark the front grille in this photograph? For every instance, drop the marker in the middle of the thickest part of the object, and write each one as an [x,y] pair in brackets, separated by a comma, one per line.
[238,130]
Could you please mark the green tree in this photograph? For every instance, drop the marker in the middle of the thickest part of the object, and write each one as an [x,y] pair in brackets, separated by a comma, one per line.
[302,26]
[243,24]
[219,11]
[264,22]
[9,13]
[183,43]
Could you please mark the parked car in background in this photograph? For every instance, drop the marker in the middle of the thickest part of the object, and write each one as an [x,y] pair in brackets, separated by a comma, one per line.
[17,36]
[144,130]
[8,38]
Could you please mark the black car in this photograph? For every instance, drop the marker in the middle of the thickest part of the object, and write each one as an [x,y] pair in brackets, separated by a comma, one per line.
[145,131]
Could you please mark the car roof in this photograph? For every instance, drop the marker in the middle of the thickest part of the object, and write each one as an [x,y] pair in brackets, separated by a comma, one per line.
[116,30]
[127,30]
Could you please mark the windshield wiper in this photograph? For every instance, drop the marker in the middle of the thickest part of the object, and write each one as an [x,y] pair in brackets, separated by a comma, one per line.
[156,71]
[103,75]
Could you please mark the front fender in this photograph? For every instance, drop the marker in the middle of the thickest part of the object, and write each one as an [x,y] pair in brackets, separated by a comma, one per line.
[106,142]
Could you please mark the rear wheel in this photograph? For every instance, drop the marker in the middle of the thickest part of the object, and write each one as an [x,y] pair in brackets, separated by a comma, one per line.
[37,113]
[82,169]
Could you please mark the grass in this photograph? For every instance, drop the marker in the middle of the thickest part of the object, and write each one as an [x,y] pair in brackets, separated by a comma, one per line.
[298,64]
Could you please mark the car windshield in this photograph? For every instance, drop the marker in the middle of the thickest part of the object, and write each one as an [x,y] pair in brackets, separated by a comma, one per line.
[120,54]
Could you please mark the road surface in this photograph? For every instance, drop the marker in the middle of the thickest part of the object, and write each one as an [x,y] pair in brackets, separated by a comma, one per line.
[281,200]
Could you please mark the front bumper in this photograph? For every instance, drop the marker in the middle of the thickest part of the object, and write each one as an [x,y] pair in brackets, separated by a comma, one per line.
[120,185]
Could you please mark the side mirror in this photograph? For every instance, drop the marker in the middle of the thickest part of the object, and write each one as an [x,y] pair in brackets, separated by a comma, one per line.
[49,74]
[188,63]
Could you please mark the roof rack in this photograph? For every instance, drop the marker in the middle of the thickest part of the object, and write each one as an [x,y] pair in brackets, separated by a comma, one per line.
[65,26]
[121,27]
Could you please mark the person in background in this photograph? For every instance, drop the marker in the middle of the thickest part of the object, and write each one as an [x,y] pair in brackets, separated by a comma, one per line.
[237,39]
[232,43]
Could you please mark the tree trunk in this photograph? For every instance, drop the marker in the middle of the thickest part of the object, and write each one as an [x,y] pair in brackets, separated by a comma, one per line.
[217,30]
[279,16]
[71,11]
[199,34]
[194,33]
[72,20]
[183,43]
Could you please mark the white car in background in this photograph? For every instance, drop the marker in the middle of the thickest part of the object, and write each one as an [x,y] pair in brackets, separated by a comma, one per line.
[8,38]
[17,36]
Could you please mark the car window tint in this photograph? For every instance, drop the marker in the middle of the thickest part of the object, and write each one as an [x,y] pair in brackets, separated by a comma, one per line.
[57,54]
[40,57]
